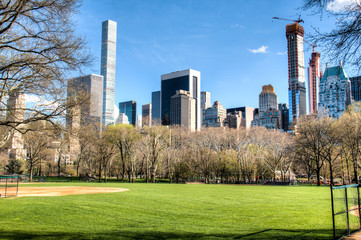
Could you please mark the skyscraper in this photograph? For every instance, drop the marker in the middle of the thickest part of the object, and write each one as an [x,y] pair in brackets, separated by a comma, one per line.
[356,88]
[107,69]
[129,108]
[156,107]
[269,116]
[267,98]
[335,91]
[188,80]
[314,76]
[147,115]
[296,71]
[90,87]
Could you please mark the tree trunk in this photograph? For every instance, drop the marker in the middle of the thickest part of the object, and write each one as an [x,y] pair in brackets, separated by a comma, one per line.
[31,173]
[100,173]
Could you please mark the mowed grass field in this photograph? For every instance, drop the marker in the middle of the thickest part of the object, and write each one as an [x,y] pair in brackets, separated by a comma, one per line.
[171,211]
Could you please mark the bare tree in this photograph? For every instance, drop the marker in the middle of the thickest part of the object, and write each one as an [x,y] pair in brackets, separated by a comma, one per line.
[38,49]
[343,42]
[35,147]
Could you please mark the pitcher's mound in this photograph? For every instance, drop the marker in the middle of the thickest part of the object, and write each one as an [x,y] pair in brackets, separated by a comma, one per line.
[62,191]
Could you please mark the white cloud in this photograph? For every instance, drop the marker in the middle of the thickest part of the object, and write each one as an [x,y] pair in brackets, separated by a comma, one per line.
[237,26]
[339,5]
[262,49]
[281,53]
[38,102]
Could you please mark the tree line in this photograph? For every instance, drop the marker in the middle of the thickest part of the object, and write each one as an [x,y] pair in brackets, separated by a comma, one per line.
[321,147]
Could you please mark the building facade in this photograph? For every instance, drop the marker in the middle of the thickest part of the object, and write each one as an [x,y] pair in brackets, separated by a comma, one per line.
[267,98]
[283,108]
[235,120]
[156,107]
[182,110]
[187,80]
[122,119]
[215,116]
[147,115]
[107,69]
[89,87]
[314,76]
[15,112]
[296,72]
[129,108]
[356,88]
[269,116]
[248,113]
[335,91]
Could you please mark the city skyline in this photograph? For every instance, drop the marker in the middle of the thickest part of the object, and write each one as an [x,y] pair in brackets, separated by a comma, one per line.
[237,52]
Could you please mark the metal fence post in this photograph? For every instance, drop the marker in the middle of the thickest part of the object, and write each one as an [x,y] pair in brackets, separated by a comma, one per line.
[6,185]
[17,187]
[347,216]
[333,215]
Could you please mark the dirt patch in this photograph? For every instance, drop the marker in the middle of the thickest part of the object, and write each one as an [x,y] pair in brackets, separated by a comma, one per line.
[62,191]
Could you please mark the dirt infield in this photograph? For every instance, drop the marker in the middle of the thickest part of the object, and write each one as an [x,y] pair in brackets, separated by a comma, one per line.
[62,191]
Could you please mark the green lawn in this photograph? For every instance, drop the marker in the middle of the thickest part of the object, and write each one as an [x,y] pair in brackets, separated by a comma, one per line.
[172,211]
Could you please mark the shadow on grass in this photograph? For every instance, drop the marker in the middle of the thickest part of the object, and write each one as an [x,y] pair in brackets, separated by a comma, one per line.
[153,235]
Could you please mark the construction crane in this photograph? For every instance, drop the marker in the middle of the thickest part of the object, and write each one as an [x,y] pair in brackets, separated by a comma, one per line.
[299,20]
[312,45]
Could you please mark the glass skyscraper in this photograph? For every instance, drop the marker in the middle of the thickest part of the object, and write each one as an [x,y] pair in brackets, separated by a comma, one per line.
[107,69]
[156,107]
[129,108]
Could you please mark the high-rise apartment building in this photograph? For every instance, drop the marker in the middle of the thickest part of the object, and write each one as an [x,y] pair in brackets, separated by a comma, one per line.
[314,76]
[90,88]
[107,69]
[15,112]
[267,98]
[187,80]
[215,116]
[335,91]
[147,115]
[182,110]
[296,71]
[156,107]
[129,108]
[356,88]
[269,116]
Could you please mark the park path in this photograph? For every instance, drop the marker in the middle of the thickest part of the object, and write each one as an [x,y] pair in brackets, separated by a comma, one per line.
[355,236]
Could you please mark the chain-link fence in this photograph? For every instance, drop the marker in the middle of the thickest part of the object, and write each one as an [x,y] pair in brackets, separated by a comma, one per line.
[345,210]
[9,186]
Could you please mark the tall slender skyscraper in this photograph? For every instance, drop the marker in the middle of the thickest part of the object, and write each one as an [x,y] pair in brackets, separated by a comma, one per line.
[296,71]
[107,69]
[314,76]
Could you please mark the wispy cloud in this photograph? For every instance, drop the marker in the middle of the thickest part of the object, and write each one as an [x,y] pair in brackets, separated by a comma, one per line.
[237,26]
[281,53]
[339,5]
[262,49]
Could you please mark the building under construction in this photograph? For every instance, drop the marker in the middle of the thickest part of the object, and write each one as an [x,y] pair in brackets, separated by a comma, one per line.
[296,71]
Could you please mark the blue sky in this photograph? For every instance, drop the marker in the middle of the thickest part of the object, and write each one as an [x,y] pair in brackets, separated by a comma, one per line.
[235,45]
